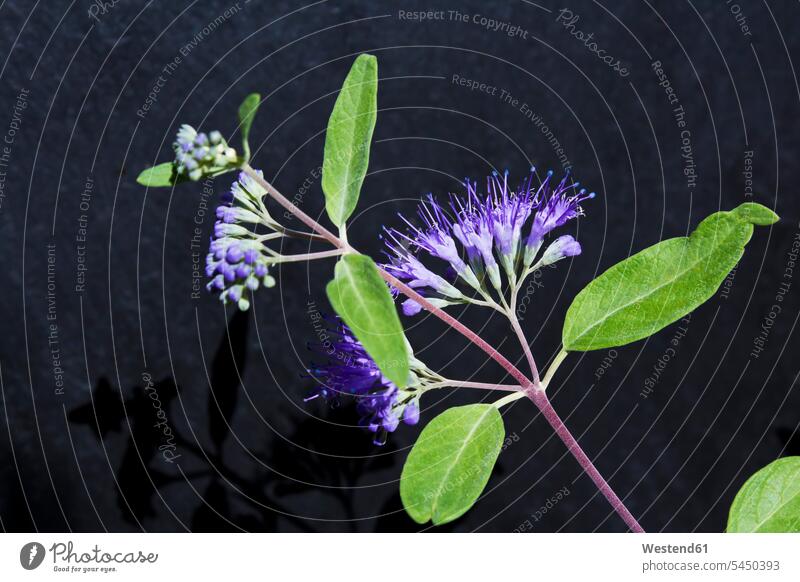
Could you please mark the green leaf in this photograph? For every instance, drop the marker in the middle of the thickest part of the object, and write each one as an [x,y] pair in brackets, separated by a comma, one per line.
[361,298]
[661,284]
[247,112]
[451,462]
[348,139]
[769,502]
[158,176]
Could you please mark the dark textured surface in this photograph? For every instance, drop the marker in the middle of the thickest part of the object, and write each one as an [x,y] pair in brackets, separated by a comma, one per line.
[715,415]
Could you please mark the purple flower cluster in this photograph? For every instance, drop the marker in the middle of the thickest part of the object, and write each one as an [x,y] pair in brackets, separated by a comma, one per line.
[482,233]
[351,373]
[237,261]
[198,154]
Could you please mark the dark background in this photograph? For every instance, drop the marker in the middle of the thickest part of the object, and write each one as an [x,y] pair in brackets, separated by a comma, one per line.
[253,455]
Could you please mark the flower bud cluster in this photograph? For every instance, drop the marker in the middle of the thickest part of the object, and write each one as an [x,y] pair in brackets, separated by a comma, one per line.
[198,154]
[238,261]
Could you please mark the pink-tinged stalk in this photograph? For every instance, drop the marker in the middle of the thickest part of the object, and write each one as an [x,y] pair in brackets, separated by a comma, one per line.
[539,398]
[287,204]
[458,326]
[307,256]
[525,347]
[477,385]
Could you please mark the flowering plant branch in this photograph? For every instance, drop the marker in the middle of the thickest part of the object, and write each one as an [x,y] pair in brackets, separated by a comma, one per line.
[534,390]
[491,242]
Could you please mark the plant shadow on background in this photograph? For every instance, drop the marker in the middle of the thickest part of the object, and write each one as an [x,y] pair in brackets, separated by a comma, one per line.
[219,507]
[226,499]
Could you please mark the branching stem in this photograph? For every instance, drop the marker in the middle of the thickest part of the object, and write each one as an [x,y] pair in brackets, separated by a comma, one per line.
[523,341]
[534,390]
[551,371]
[400,286]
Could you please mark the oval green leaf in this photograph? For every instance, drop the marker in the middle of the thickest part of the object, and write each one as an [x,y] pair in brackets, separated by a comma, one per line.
[247,112]
[769,502]
[361,298]
[158,176]
[661,284]
[348,137]
[451,462]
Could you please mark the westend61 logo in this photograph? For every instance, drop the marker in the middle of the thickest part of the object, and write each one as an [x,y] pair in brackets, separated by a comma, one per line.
[66,559]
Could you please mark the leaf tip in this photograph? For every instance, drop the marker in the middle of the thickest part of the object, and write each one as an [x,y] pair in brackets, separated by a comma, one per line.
[755,213]
[249,104]
[438,519]
[368,59]
[420,517]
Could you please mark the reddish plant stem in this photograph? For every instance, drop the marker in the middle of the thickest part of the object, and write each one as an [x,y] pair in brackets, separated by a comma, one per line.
[287,204]
[525,346]
[514,388]
[399,285]
[539,398]
[458,326]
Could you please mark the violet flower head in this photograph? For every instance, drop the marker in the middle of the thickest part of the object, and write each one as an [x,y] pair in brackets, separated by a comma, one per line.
[350,373]
[482,232]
